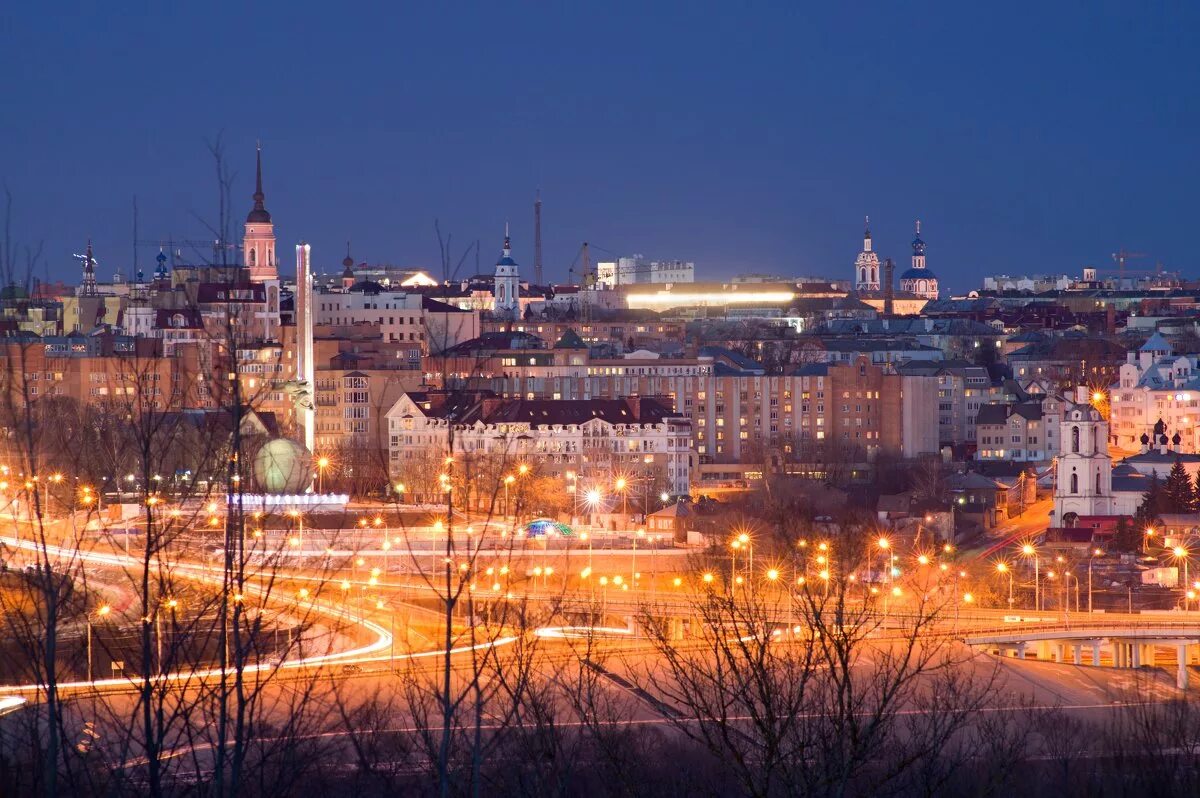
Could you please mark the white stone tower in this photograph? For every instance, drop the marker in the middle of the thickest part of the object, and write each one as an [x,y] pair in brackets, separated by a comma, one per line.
[258,246]
[866,266]
[1083,484]
[507,293]
[305,367]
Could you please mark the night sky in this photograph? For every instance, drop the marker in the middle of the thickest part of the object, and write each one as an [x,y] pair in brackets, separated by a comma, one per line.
[745,137]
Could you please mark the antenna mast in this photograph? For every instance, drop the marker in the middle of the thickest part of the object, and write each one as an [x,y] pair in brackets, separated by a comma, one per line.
[537,238]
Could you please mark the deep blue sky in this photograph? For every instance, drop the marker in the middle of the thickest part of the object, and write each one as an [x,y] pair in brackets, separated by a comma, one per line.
[1035,137]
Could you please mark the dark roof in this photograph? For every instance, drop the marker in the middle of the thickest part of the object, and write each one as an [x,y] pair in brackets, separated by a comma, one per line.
[164,318]
[367,287]
[992,413]
[544,412]
[1155,456]
[570,340]
[733,359]
[440,307]
[496,342]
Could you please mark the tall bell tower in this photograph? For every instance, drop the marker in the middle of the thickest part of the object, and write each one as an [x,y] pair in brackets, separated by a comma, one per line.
[258,246]
[1083,484]
[866,266]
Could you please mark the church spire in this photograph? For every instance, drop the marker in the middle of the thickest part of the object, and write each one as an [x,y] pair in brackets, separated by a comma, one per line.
[89,271]
[259,213]
[866,234]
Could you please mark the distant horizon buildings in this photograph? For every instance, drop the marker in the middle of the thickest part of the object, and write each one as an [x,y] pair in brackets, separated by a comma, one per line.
[636,270]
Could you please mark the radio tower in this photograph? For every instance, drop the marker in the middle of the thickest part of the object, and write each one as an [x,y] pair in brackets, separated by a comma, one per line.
[537,238]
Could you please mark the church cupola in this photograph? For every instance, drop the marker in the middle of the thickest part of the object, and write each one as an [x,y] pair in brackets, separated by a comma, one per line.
[160,270]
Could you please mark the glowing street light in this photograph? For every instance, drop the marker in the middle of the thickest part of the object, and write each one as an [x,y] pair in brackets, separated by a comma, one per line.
[1029,551]
[101,611]
[1180,553]
[1003,568]
[508,480]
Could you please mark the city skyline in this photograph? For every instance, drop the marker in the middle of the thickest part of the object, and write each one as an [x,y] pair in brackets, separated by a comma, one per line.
[763,158]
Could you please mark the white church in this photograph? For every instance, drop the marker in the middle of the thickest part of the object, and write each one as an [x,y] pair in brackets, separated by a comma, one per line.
[1088,485]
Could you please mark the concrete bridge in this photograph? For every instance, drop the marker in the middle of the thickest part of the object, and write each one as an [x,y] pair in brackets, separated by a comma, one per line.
[1125,644]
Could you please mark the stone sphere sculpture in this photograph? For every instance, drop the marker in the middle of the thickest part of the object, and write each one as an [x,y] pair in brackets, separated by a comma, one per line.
[282,467]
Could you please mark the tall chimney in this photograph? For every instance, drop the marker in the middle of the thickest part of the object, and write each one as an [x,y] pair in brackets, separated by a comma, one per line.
[305,367]
[889,293]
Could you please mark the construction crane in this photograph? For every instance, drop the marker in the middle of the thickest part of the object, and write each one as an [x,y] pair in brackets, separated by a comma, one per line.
[586,279]
[1123,255]
[175,248]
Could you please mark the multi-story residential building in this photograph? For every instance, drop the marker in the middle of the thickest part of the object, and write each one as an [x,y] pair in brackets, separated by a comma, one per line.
[1154,385]
[855,409]
[1022,432]
[108,370]
[962,389]
[625,329]
[351,406]
[594,439]
[1069,360]
[402,317]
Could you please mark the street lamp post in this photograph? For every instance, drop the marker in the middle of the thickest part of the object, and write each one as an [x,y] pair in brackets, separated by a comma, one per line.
[734,545]
[508,480]
[171,604]
[1095,553]
[885,546]
[1004,569]
[1029,551]
[101,611]
[633,560]
[322,464]
[620,488]
[1180,553]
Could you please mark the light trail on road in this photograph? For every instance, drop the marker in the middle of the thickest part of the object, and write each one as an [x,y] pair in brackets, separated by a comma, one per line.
[363,654]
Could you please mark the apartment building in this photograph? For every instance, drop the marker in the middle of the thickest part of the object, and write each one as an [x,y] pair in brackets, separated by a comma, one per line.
[600,438]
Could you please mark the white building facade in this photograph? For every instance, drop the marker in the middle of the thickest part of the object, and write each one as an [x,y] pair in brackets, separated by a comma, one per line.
[593,437]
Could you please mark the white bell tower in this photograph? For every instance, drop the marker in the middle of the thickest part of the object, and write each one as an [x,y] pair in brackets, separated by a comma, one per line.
[1083,483]
[507,292]
[866,266]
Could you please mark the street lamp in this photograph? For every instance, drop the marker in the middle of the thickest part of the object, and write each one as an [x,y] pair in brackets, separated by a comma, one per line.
[101,611]
[1029,551]
[322,464]
[734,544]
[508,480]
[744,539]
[170,604]
[1094,554]
[1003,568]
[593,498]
[620,488]
[1180,553]
[884,546]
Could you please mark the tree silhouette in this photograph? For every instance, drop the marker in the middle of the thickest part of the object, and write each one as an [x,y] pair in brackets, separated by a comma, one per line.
[1179,493]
